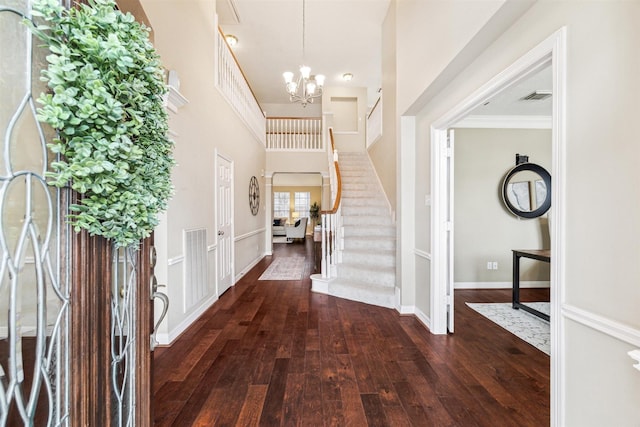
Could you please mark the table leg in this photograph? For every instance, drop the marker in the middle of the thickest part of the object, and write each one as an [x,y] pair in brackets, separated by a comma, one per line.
[516,281]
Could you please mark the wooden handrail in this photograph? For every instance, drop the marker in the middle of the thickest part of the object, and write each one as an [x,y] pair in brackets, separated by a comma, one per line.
[336,203]
[374,107]
[241,71]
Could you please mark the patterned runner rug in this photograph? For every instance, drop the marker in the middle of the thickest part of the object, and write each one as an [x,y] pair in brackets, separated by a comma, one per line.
[286,268]
[525,326]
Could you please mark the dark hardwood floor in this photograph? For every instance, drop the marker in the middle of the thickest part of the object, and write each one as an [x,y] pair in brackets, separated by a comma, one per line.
[273,353]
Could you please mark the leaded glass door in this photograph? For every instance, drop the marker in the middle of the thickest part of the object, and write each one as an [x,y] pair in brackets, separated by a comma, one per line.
[34,242]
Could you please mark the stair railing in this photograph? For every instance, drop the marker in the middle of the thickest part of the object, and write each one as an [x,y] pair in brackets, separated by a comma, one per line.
[332,219]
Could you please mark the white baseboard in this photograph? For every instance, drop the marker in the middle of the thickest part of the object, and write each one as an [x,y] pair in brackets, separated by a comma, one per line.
[248,268]
[168,338]
[501,285]
[320,284]
[406,309]
[423,318]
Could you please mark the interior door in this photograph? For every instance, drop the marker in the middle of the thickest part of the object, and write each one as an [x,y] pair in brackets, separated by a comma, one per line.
[224,221]
[449,227]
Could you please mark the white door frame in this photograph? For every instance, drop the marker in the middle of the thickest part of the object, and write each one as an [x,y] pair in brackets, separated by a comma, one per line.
[550,51]
[216,221]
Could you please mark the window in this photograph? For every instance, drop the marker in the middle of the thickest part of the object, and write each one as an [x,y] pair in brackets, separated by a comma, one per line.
[281,204]
[302,202]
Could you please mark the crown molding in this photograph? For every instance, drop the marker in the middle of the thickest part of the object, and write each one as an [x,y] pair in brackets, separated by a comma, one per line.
[505,122]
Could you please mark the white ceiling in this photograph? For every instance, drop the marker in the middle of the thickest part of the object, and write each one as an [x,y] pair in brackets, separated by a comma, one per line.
[342,36]
[510,103]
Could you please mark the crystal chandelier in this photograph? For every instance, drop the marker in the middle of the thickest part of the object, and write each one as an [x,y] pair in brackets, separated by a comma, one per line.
[306,87]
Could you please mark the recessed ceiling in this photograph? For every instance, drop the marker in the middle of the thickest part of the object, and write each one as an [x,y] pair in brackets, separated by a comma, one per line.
[342,36]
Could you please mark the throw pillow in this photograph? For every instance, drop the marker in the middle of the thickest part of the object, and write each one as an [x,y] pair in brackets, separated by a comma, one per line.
[297,223]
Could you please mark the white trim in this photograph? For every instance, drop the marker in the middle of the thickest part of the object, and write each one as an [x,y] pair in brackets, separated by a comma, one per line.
[180,258]
[607,326]
[505,122]
[320,284]
[406,309]
[175,260]
[423,318]
[345,132]
[422,254]
[247,269]
[296,150]
[166,338]
[502,285]
[249,234]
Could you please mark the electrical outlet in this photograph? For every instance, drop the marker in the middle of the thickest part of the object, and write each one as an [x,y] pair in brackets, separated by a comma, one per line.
[494,265]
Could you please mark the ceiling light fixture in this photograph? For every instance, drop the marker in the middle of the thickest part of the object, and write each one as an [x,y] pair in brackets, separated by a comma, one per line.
[231,40]
[306,87]
[347,77]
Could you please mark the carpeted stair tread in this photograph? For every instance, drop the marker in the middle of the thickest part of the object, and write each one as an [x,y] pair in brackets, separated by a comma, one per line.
[375,274]
[360,242]
[367,256]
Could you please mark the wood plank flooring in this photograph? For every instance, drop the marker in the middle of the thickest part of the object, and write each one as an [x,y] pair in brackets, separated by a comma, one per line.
[272,353]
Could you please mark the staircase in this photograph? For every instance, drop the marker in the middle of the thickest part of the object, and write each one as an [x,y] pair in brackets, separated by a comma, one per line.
[367,272]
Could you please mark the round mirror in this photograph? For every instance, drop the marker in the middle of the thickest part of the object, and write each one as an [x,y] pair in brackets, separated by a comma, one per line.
[526,190]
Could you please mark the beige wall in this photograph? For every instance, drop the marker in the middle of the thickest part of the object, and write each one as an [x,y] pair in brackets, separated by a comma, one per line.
[484,229]
[184,37]
[352,137]
[430,34]
[383,153]
[602,227]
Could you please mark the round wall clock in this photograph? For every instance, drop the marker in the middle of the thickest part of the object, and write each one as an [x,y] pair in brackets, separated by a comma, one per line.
[254,195]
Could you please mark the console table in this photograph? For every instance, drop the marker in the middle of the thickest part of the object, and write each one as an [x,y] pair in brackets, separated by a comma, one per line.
[537,254]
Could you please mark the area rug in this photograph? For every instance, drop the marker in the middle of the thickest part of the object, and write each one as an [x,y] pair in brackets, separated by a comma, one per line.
[522,324]
[285,268]
[281,239]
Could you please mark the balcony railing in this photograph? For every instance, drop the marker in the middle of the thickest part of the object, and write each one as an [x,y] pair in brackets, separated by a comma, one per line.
[294,134]
[233,85]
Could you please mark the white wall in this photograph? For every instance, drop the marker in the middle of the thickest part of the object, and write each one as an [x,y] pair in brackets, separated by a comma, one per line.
[601,266]
[184,37]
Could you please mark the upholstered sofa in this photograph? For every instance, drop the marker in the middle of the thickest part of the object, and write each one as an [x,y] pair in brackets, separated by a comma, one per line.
[297,230]
[278,227]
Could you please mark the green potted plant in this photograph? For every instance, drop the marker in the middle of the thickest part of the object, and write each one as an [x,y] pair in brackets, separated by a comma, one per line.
[106,102]
[314,213]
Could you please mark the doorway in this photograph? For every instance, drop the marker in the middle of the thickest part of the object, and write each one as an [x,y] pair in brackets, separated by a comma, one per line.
[551,52]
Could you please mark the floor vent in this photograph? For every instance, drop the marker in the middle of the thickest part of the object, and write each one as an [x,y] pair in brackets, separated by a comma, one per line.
[196,277]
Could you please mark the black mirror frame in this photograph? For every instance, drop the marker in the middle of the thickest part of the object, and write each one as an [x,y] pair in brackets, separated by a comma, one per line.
[546,177]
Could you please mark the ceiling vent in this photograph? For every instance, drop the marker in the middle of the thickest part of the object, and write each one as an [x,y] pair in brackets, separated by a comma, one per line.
[538,95]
